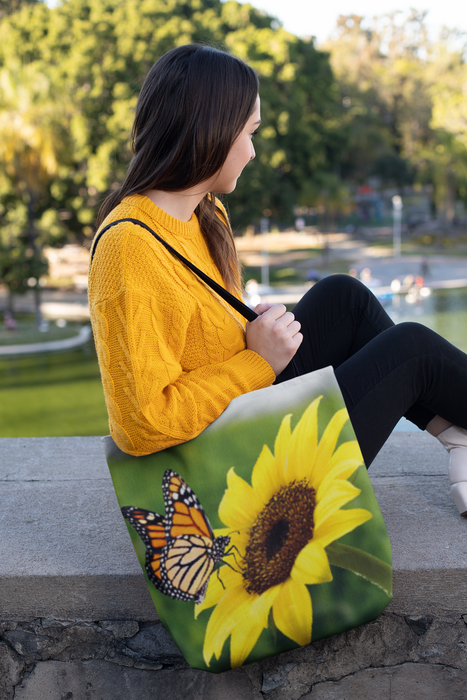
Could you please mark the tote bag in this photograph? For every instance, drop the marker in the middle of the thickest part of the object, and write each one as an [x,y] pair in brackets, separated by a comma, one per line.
[263,533]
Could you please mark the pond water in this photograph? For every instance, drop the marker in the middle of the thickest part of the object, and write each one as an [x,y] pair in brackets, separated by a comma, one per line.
[444,311]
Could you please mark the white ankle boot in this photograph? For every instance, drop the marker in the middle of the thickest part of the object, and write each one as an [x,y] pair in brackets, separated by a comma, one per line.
[454,440]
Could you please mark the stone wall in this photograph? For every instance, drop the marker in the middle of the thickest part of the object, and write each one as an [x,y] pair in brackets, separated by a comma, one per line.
[76,620]
[394,657]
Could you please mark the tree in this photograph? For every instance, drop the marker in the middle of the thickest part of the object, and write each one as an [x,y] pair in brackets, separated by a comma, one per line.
[301,135]
[448,158]
[21,268]
[8,7]
[99,52]
[32,145]
[405,101]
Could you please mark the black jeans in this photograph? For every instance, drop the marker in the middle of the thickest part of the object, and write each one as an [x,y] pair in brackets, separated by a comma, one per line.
[385,371]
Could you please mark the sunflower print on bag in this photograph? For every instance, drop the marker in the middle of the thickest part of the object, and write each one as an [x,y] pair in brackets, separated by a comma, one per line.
[280,526]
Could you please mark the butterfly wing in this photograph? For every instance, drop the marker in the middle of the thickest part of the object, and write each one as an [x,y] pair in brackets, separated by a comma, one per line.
[192,550]
[186,567]
[181,550]
[151,527]
[183,511]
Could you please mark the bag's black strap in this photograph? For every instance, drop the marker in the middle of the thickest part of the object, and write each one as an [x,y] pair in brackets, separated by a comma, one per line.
[238,305]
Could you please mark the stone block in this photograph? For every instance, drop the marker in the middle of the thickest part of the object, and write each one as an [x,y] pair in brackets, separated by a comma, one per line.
[11,666]
[121,629]
[78,680]
[406,682]
[153,642]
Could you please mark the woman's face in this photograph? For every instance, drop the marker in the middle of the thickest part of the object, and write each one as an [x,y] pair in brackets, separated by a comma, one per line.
[240,154]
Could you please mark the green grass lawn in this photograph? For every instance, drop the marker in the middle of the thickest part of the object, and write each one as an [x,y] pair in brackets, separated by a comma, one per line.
[52,395]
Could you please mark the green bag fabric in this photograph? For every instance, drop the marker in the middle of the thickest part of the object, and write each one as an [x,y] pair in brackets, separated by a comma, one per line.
[263,533]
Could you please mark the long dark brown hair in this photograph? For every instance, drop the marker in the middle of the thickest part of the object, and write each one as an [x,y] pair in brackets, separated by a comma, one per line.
[193,105]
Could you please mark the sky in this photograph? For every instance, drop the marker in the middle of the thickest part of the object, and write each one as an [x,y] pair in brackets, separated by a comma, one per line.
[312,18]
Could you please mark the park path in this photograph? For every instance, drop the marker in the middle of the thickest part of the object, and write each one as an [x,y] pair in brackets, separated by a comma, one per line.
[84,336]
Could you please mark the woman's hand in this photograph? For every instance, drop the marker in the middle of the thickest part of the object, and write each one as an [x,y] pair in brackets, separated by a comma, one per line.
[275,335]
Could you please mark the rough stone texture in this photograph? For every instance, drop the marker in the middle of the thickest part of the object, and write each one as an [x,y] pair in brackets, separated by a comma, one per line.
[97,680]
[154,641]
[80,624]
[120,629]
[407,682]
[11,667]
[48,659]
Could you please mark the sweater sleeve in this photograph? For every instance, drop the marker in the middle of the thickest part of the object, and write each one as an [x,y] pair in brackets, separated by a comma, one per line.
[166,366]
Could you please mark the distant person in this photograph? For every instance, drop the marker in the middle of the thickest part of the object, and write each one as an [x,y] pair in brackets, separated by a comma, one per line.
[367,278]
[313,275]
[10,321]
[425,268]
[172,355]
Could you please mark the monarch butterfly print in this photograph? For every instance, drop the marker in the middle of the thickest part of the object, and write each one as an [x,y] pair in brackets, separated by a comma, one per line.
[181,549]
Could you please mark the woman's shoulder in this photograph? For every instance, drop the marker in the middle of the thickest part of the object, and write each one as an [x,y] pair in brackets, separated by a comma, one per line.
[129,223]
[126,215]
[124,253]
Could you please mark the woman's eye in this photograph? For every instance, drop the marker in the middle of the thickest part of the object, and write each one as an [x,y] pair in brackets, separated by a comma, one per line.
[254,133]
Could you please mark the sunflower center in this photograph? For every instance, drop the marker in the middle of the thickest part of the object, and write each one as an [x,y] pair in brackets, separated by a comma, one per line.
[282,529]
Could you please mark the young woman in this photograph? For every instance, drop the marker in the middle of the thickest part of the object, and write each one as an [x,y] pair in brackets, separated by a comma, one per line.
[173,355]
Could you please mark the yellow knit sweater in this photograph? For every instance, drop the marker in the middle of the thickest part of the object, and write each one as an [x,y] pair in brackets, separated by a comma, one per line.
[172,354]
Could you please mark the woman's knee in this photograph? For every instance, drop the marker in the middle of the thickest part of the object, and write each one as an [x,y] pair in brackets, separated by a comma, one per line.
[411,330]
[344,287]
[417,339]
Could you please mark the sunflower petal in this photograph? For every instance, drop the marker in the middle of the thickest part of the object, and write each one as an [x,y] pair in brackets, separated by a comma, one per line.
[336,495]
[281,445]
[303,442]
[327,445]
[311,565]
[339,524]
[222,531]
[240,504]
[292,611]
[238,543]
[244,638]
[267,477]
[342,469]
[349,450]
[231,610]
[259,609]
[217,587]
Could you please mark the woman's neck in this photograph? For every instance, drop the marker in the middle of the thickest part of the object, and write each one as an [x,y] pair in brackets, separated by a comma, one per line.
[180,205]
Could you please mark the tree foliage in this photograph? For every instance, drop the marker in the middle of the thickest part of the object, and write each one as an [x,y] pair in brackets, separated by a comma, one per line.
[382,101]
[96,53]
[405,96]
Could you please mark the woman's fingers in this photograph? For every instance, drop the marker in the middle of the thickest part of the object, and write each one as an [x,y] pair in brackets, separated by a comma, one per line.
[275,335]
[261,308]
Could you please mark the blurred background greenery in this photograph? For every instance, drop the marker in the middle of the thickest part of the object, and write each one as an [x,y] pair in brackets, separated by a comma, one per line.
[378,110]
[387,103]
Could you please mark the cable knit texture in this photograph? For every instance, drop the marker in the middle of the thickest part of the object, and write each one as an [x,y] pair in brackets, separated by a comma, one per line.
[172,354]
